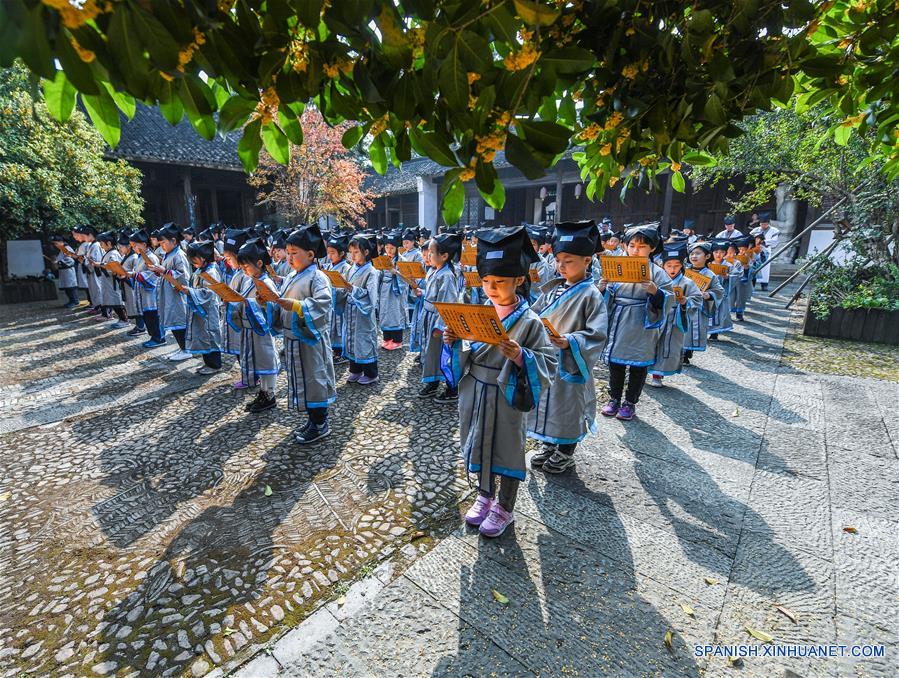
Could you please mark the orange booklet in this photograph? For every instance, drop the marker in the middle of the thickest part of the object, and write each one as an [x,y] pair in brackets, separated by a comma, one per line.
[224,292]
[473,322]
[174,283]
[472,279]
[116,268]
[718,269]
[702,281]
[678,293]
[469,257]
[411,270]
[550,330]
[382,263]
[624,269]
[534,275]
[147,260]
[264,293]
[336,279]
[743,259]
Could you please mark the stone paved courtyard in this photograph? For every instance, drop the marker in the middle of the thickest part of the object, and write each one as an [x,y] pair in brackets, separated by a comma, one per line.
[149,526]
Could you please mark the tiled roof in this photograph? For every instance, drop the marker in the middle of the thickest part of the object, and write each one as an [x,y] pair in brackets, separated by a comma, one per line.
[403,180]
[148,137]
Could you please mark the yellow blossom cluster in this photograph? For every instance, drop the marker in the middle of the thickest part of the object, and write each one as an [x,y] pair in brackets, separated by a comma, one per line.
[379,125]
[647,160]
[590,133]
[331,71]
[186,54]
[613,121]
[417,41]
[298,50]
[524,56]
[267,108]
[85,55]
[468,173]
[675,166]
[77,13]
[630,71]
[225,5]
[489,144]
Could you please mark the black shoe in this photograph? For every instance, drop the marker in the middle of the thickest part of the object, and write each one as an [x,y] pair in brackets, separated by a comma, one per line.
[313,433]
[262,403]
[542,455]
[764,287]
[713,337]
[447,396]
[428,390]
[136,332]
[740,318]
[559,463]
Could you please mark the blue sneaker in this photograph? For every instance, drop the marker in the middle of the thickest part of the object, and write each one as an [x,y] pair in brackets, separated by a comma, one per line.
[153,344]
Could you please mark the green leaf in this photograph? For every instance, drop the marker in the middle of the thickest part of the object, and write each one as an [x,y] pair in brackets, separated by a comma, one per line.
[500,598]
[474,50]
[125,102]
[59,95]
[431,145]
[520,155]
[841,135]
[123,43]
[291,127]
[535,13]
[378,156]
[714,111]
[677,182]
[104,115]
[249,146]
[546,136]
[276,143]
[33,46]
[568,60]
[199,104]
[497,197]
[268,491]
[307,11]
[761,635]
[352,136]
[172,110]
[163,48]
[454,80]
[453,202]
[234,113]
[78,72]
[697,159]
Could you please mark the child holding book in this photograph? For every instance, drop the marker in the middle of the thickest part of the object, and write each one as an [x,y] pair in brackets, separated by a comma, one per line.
[335,248]
[109,285]
[360,331]
[577,312]
[704,315]
[637,313]
[232,241]
[498,384]
[65,267]
[145,282]
[305,316]
[171,304]
[392,294]
[204,327]
[722,321]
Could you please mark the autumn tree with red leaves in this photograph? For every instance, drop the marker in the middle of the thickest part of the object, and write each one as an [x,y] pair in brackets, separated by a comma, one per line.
[322,178]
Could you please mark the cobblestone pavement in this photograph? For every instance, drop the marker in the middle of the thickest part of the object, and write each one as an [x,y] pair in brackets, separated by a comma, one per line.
[148,525]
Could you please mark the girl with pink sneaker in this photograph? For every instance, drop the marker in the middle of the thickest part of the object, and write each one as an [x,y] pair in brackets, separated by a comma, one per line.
[499,383]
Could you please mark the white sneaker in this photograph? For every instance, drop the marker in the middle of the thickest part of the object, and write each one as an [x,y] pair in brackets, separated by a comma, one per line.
[656,382]
[208,370]
[179,355]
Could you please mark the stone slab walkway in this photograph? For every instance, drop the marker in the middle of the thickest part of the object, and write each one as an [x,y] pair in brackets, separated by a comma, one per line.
[149,526]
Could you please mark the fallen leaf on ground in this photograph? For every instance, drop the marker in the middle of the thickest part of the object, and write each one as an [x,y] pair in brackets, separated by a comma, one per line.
[710,581]
[689,611]
[268,490]
[5,496]
[786,613]
[669,641]
[227,632]
[736,662]
[500,598]
[341,600]
[850,530]
[418,535]
[736,413]
[761,635]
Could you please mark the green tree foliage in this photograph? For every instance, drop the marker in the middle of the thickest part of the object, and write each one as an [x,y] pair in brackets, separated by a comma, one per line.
[53,175]
[641,86]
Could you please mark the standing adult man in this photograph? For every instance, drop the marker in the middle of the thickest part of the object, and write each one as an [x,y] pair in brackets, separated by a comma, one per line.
[772,235]
[730,231]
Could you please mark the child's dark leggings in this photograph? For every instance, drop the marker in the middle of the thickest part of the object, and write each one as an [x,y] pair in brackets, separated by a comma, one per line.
[179,337]
[634,383]
[151,320]
[118,310]
[508,491]
[317,415]
[370,369]
[71,294]
[394,335]
[213,360]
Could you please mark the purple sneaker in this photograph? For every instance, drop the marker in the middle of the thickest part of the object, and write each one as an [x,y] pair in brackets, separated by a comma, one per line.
[627,411]
[497,521]
[611,408]
[365,380]
[240,385]
[479,510]
[354,377]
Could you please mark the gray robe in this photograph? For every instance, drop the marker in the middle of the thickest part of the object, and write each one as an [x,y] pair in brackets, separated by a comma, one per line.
[129,263]
[680,318]
[110,289]
[81,271]
[701,315]
[443,286]
[635,325]
[491,431]
[258,354]
[338,303]
[566,412]
[392,294]
[171,303]
[360,333]
[307,341]
[145,283]
[721,321]
[418,340]
[95,254]
[743,288]
[412,255]
[231,331]
[66,268]
[204,328]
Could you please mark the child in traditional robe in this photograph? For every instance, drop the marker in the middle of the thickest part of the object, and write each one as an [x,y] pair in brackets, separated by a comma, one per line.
[442,286]
[171,303]
[232,241]
[80,267]
[392,295]
[204,327]
[637,313]
[258,354]
[279,257]
[109,285]
[335,249]
[129,263]
[411,252]
[576,310]
[499,384]
[145,282]
[742,291]
[65,268]
[722,322]
[682,315]
[92,258]
[360,330]
[305,316]
[702,318]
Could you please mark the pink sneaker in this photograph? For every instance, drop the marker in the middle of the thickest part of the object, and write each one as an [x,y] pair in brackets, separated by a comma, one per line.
[354,377]
[365,380]
[394,345]
[478,510]
[386,345]
[497,521]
